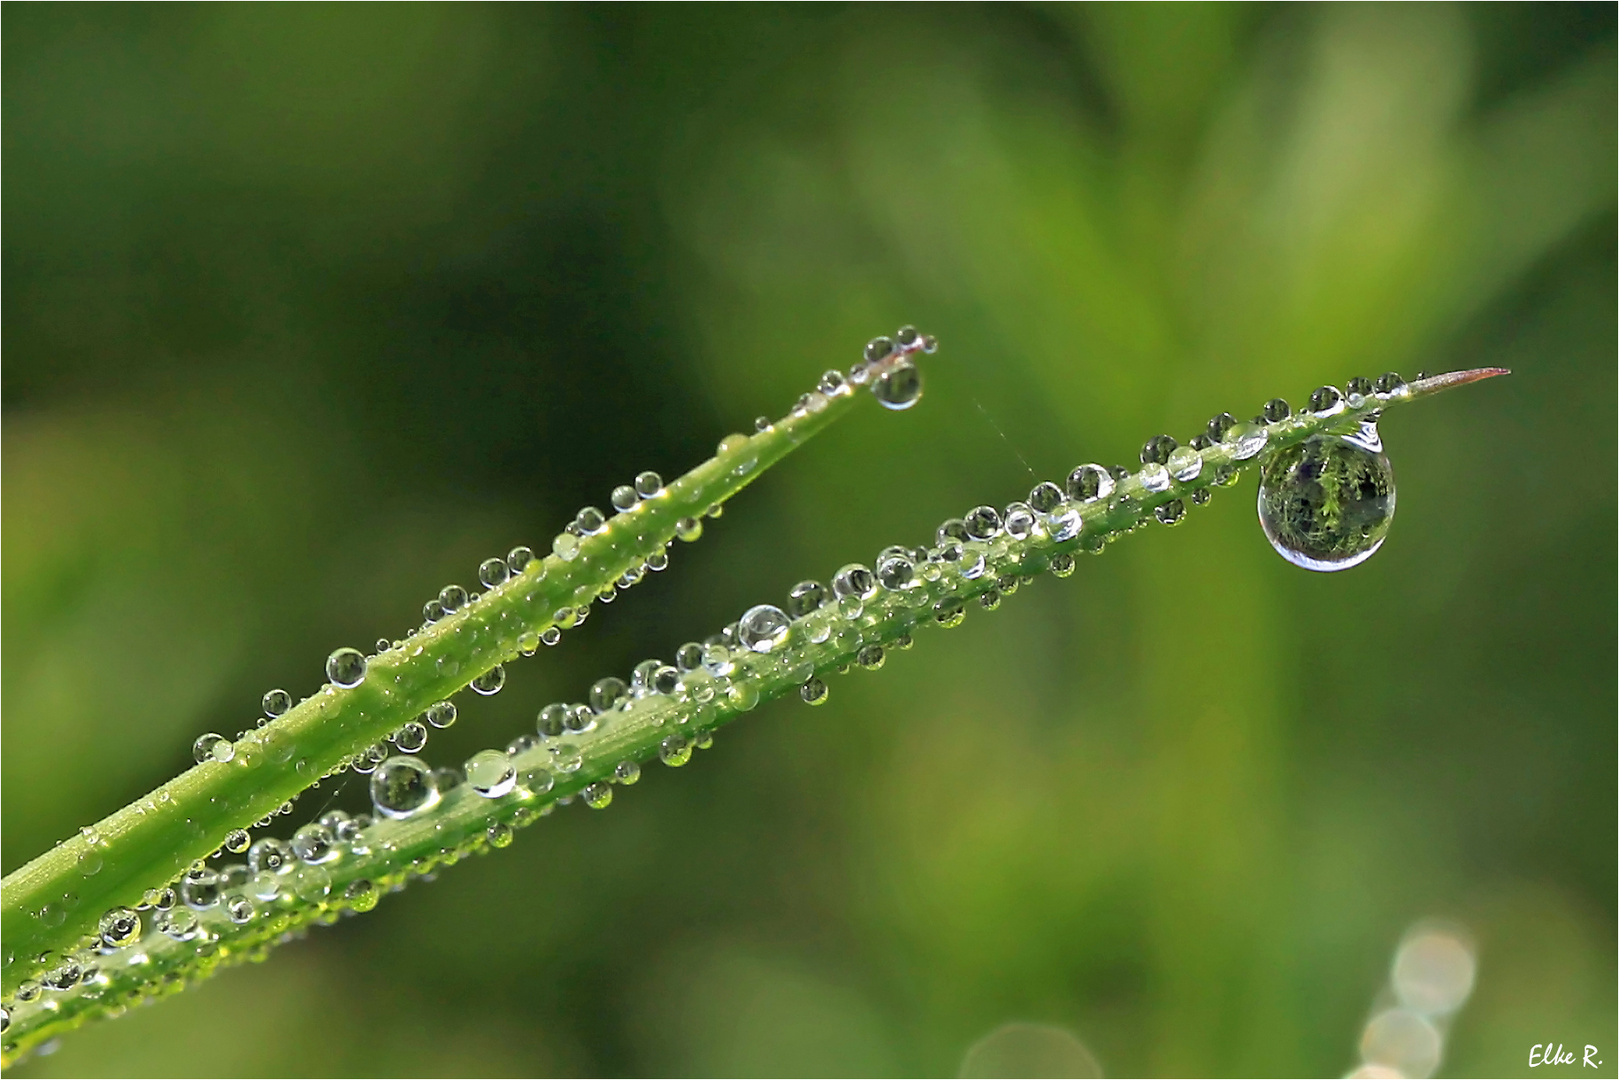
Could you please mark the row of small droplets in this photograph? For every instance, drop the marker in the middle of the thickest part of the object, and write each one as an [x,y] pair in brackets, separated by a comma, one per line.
[405,787]
[724,674]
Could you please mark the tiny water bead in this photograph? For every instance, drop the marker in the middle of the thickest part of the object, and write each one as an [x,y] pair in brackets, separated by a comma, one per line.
[237,841]
[490,773]
[648,484]
[452,598]
[1185,464]
[1326,503]
[1219,425]
[493,572]
[276,702]
[1246,440]
[346,668]
[1171,513]
[314,843]
[361,895]
[402,786]
[590,521]
[674,751]
[440,714]
[598,795]
[518,559]
[199,888]
[1089,483]
[565,546]
[490,681]
[814,691]
[1389,382]
[432,612]
[1045,497]
[688,529]
[764,628]
[271,856]
[626,773]
[983,523]
[1276,409]
[1157,449]
[1325,399]
[624,498]
[606,693]
[899,386]
[411,737]
[212,747]
[120,927]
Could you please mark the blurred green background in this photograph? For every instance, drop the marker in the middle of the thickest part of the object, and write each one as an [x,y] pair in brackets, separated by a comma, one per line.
[307,309]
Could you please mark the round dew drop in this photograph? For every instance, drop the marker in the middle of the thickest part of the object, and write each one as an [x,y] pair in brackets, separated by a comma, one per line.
[688,529]
[764,628]
[361,895]
[626,772]
[276,702]
[346,668]
[271,856]
[648,484]
[674,751]
[1247,440]
[411,737]
[314,844]
[402,786]
[598,795]
[493,572]
[237,841]
[1326,503]
[212,747]
[1185,464]
[440,714]
[899,386]
[491,774]
[624,498]
[452,597]
[518,558]
[490,681]
[814,691]
[120,927]
[565,546]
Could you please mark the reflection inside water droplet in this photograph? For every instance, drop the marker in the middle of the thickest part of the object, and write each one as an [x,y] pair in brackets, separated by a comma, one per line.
[1326,503]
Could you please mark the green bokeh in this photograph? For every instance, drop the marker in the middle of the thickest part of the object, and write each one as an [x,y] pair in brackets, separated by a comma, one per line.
[461,270]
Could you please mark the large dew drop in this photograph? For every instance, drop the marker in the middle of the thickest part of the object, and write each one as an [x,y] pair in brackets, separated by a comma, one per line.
[1326,504]
[402,786]
[346,668]
[763,628]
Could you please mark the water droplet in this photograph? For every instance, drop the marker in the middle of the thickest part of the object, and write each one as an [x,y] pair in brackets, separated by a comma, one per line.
[674,751]
[199,888]
[870,657]
[743,695]
[1185,464]
[361,895]
[1062,565]
[29,990]
[212,747]
[411,737]
[949,613]
[1170,513]
[990,599]
[764,628]
[518,558]
[1154,477]
[598,795]
[1157,449]
[178,925]
[270,856]
[441,714]
[983,523]
[1388,382]
[1088,483]
[579,718]
[666,681]
[490,681]
[499,835]
[814,691]
[1220,425]
[237,841]
[804,598]
[1276,409]
[1326,503]
[346,668]
[1246,440]
[314,843]
[120,927]
[896,572]
[402,786]
[1325,400]
[276,702]
[606,693]
[648,484]
[550,636]
[854,581]
[1045,497]
[432,612]
[688,529]
[899,386]
[65,976]
[565,546]
[1201,496]
[493,572]
[490,773]
[590,521]
[626,772]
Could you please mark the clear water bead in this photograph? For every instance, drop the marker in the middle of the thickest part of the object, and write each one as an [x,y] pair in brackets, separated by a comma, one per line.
[674,751]
[1326,503]
[212,747]
[346,668]
[688,529]
[626,772]
[763,628]
[1154,477]
[441,714]
[1246,440]
[598,795]
[402,786]
[490,773]
[648,484]
[1185,464]
[493,572]
[314,844]
[518,558]
[1019,520]
[1088,483]
[452,597]
[276,702]
[606,693]
[854,581]
[120,927]
[237,841]
[804,598]
[270,856]
[490,681]
[565,546]
[814,691]
[899,386]
[199,888]
[983,523]
[411,737]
